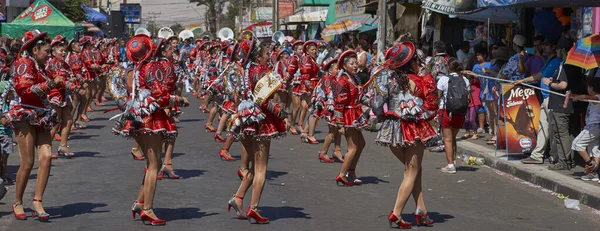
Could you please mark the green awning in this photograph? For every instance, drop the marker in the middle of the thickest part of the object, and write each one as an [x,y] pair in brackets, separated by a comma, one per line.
[43,16]
[331,14]
[315,2]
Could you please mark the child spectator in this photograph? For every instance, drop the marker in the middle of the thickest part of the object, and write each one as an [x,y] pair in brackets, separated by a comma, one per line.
[588,141]
[450,122]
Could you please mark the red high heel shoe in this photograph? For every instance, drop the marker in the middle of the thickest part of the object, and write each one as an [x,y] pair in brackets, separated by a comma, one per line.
[308,140]
[253,215]
[57,137]
[154,222]
[204,110]
[86,119]
[89,109]
[303,138]
[240,173]
[422,218]
[41,216]
[400,223]
[219,138]
[323,158]
[231,204]
[136,157]
[20,216]
[135,208]
[339,180]
[209,128]
[225,157]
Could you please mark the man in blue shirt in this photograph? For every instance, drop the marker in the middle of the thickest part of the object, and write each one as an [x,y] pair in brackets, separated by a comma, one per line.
[123,58]
[550,66]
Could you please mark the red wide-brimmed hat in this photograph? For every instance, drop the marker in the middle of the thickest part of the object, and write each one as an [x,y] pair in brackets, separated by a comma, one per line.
[171,38]
[308,43]
[282,51]
[214,45]
[139,48]
[57,40]
[343,56]
[328,62]
[400,54]
[158,43]
[85,39]
[296,44]
[70,44]
[204,45]
[30,38]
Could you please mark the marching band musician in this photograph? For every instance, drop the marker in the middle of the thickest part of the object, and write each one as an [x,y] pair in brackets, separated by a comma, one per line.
[33,118]
[293,69]
[147,122]
[60,97]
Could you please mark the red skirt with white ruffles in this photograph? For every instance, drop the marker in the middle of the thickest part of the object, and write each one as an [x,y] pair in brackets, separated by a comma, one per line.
[157,123]
[269,128]
[41,119]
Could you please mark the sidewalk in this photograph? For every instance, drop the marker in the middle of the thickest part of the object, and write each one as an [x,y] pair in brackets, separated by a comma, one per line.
[566,182]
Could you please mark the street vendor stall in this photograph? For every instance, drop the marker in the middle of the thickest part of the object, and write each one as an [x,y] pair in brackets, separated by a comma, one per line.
[43,16]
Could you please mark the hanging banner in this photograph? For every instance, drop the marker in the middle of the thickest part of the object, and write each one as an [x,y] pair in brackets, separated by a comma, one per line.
[132,13]
[349,7]
[518,119]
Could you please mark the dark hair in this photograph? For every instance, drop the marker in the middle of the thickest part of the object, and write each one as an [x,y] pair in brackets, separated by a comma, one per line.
[258,50]
[8,60]
[440,47]
[351,46]
[43,41]
[454,65]
[363,43]
[594,83]
[479,49]
[464,44]
[540,38]
[14,49]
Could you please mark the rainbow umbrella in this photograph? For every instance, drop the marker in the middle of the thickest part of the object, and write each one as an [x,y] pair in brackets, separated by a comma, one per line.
[586,54]
[340,27]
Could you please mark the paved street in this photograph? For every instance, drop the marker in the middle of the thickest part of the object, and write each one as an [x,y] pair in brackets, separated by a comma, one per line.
[94,191]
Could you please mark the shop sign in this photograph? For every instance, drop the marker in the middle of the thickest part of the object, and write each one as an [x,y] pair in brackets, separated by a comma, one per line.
[262,14]
[286,9]
[345,8]
[441,6]
[41,12]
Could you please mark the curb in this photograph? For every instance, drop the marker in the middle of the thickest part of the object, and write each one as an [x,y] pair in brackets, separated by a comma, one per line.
[587,194]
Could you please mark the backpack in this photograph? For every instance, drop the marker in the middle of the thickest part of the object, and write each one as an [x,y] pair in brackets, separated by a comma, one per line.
[457,97]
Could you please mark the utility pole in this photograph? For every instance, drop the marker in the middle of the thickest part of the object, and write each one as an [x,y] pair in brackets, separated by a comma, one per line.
[275,16]
[381,32]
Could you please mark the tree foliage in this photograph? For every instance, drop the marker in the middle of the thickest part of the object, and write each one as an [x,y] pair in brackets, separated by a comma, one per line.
[72,9]
[177,28]
[233,9]
[214,12]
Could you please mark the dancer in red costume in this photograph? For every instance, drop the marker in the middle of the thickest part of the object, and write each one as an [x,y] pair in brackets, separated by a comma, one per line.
[80,95]
[309,78]
[147,121]
[323,103]
[93,62]
[348,115]
[60,97]
[412,102]
[32,119]
[212,67]
[280,68]
[258,128]
[293,70]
